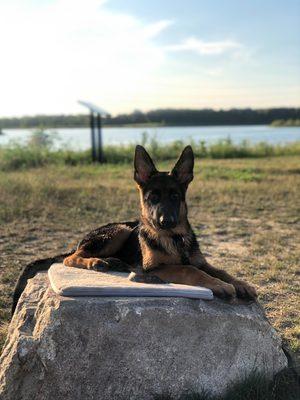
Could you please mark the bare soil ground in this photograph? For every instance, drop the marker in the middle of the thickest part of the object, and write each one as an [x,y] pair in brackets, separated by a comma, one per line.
[246,214]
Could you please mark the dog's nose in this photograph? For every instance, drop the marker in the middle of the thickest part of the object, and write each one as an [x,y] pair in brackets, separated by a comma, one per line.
[166,222]
[161,219]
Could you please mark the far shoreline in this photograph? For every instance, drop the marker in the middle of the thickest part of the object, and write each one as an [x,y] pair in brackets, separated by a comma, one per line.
[150,125]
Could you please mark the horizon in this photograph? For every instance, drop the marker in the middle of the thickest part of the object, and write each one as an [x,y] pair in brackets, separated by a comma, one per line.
[140,55]
[154,109]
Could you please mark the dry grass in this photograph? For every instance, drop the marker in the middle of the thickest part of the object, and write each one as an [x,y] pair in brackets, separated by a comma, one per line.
[245,212]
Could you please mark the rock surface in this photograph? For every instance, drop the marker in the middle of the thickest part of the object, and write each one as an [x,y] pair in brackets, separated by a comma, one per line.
[130,348]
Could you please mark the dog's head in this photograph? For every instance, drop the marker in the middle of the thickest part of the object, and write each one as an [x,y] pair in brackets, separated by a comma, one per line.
[163,193]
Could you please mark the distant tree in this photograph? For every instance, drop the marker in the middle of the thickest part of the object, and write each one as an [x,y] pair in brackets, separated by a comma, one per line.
[169,117]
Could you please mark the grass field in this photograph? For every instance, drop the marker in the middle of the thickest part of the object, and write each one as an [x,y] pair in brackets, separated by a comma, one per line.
[39,151]
[246,213]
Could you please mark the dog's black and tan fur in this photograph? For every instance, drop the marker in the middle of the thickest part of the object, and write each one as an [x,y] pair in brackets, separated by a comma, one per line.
[161,246]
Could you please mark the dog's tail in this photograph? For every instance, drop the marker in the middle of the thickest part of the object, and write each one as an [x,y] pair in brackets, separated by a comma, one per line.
[30,271]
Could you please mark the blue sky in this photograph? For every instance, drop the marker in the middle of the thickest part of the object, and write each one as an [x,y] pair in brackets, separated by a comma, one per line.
[126,55]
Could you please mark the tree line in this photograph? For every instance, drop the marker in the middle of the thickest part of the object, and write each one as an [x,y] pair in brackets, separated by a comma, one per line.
[166,117]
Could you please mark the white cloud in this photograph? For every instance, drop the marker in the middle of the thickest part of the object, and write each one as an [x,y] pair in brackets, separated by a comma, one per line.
[52,55]
[215,72]
[156,28]
[205,48]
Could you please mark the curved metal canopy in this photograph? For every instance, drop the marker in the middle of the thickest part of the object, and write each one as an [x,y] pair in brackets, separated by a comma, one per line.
[93,108]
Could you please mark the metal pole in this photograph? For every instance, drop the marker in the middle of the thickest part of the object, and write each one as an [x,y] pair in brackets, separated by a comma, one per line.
[100,149]
[92,124]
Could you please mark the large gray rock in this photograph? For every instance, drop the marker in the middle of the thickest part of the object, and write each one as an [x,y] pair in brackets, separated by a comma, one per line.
[131,348]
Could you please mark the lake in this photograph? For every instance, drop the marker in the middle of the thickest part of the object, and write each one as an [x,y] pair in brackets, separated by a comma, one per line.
[79,138]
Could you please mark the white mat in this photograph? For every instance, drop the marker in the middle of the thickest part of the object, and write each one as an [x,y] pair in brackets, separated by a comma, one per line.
[74,282]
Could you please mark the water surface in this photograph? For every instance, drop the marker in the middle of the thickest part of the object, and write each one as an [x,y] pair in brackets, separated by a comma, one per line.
[79,138]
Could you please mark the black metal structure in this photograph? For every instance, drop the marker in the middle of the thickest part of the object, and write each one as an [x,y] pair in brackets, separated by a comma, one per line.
[100,147]
[96,113]
[93,138]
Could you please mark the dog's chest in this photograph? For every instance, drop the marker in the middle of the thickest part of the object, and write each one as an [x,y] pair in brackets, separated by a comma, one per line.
[176,246]
[171,250]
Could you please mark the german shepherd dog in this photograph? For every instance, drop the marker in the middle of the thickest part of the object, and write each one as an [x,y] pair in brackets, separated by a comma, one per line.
[160,247]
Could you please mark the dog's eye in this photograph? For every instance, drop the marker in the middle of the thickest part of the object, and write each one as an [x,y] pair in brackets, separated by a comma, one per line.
[174,196]
[154,198]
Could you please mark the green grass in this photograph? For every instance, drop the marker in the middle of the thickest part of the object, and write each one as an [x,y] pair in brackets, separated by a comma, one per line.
[39,152]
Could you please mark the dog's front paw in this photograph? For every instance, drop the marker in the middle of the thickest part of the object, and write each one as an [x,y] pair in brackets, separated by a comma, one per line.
[96,264]
[144,278]
[244,290]
[115,264]
[223,290]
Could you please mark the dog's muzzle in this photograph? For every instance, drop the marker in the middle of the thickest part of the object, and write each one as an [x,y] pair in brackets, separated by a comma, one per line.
[167,222]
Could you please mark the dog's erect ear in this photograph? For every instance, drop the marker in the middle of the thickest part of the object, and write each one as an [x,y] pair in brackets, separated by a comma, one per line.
[144,167]
[183,170]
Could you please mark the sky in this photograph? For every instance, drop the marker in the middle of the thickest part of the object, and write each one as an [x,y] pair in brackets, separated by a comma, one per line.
[138,54]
